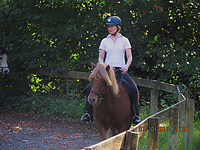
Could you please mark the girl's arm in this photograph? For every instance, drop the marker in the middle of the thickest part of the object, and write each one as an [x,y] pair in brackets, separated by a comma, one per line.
[129,60]
[101,55]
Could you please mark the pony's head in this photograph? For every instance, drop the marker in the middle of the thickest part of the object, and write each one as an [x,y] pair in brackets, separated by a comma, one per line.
[3,60]
[102,80]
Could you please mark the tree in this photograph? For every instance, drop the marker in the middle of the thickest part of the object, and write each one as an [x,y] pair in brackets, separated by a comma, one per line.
[65,35]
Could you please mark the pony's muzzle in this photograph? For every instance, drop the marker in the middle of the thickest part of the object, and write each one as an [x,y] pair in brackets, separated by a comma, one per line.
[5,71]
[92,100]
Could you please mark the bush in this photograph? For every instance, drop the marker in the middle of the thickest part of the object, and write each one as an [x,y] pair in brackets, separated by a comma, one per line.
[65,35]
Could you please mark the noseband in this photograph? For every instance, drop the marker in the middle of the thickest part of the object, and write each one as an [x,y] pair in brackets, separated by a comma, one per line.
[98,95]
[1,69]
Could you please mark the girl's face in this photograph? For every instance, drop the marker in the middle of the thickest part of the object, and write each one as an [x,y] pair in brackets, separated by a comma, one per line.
[112,29]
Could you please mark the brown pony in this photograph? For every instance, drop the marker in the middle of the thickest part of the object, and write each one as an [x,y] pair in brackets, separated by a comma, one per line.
[111,102]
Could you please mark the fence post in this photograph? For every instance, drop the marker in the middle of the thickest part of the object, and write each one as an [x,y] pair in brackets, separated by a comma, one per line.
[134,141]
[190,123]
[182,117]
[153,134]
[154,101]
[127,141]
[173,128]
[131,140]
[185,93]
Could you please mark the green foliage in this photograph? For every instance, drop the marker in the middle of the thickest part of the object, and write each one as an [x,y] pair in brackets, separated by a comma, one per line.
[165,99]
[164,136]
[65,35]
[55,106]
[196,134]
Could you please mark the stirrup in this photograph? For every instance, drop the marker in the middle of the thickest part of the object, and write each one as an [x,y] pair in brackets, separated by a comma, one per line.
[86,121]
[136,116]
[135,119]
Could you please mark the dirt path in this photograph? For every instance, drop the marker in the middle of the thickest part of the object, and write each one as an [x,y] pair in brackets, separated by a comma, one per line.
[30,132]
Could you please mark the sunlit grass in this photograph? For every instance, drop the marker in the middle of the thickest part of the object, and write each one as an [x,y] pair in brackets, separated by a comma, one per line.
[196,135]
[164,136]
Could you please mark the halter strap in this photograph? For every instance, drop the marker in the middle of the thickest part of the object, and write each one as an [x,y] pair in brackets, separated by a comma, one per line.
[95,93]
[98,95]
[1,68]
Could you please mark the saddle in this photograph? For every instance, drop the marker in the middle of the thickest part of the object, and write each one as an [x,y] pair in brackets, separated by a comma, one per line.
[126,85]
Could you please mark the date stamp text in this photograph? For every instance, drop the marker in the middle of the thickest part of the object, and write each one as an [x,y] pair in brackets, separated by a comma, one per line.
[163,129]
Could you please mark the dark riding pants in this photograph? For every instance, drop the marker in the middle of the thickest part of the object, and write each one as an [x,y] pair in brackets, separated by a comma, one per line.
[88,107]
[134,100]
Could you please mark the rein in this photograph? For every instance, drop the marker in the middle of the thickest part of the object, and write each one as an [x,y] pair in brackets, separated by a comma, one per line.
[99,95]
[74,100]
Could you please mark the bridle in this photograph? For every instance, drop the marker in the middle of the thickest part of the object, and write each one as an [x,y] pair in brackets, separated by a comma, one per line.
[3,51]
[99,95]
[1,68]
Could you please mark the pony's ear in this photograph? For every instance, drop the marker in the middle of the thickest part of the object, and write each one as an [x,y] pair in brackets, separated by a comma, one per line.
[107,68]
[93,65]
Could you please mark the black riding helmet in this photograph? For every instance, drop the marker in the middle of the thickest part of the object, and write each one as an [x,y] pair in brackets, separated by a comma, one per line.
[114,20]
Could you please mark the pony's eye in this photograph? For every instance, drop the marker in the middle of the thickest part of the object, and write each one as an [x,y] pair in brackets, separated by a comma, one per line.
[104,82]
[0,58]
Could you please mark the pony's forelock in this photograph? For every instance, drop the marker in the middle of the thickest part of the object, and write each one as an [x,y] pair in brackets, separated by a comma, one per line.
[109,77]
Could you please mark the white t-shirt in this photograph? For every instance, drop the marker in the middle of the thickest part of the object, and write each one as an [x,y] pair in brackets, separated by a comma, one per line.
[115,52]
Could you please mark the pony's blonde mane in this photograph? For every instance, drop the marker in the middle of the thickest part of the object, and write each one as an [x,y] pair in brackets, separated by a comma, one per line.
[109,77]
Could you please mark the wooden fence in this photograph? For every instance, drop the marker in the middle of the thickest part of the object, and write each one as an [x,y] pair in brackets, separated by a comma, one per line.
[180,116]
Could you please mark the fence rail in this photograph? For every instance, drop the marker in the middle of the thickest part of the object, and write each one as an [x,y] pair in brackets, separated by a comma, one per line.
[151,124]
[154,85]
[179,115]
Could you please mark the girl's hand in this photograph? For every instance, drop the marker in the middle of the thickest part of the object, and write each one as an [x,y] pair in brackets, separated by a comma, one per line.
[124,69]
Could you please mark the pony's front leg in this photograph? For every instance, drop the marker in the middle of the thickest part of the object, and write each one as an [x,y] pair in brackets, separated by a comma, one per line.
[104,133]
[114,132]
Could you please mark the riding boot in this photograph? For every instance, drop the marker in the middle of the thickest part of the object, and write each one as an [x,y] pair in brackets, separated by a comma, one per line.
[135,110]
[134,99]
[88,111]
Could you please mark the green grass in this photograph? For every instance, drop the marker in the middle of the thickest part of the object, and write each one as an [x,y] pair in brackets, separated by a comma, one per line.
[196,135]
[164,136]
